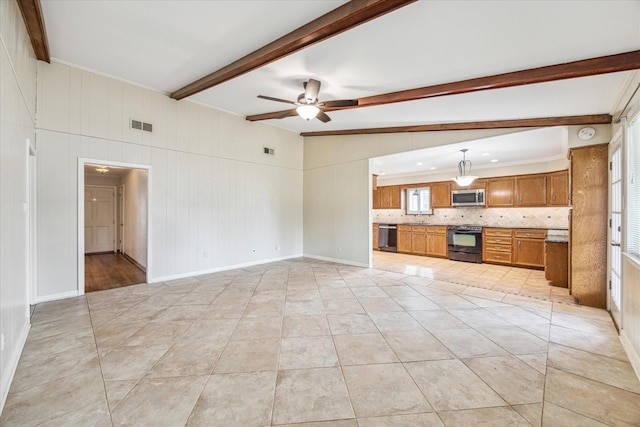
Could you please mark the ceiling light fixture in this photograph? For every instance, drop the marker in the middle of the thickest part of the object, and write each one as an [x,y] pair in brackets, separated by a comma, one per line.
[102,169]
[308,111]
[463,179]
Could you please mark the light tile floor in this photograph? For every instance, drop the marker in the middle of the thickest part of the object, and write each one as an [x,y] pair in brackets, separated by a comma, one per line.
[306,341]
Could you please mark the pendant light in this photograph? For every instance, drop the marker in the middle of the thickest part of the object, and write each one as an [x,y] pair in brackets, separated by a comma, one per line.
[464,167]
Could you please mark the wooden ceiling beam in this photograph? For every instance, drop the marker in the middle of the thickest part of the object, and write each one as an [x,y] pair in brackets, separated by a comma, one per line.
[341,19]
[33,18]
[584,68]
[492,124]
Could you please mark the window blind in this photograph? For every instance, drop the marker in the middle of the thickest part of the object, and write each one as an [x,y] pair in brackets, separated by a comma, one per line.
[633,187]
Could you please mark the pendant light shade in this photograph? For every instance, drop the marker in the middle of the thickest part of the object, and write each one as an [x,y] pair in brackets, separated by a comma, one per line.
[464,178]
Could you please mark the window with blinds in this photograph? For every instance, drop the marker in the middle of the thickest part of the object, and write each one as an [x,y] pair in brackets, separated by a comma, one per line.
[633,187]
[419,201]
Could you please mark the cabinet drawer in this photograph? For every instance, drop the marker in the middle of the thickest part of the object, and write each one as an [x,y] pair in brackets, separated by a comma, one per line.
[492,240]
[436,229]
[501,257]
[497,248]
[405,228]
[418,229]
[498,232]
[531,234]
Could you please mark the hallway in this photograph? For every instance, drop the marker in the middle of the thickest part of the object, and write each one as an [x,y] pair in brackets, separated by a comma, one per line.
[110,270]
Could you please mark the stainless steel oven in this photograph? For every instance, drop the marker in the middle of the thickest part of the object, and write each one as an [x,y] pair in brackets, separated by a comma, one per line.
[388,238]
[465,243]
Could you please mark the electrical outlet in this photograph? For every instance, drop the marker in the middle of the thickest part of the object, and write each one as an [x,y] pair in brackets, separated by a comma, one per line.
[2,343]
[339,248]
[277,247]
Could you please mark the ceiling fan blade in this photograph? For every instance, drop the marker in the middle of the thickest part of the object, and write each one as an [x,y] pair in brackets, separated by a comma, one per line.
[322,116]
[311,89]
[270,98]
[286,114]
[339,103]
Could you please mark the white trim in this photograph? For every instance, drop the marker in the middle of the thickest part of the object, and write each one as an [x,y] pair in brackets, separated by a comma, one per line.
[55,297]
[634,357]
[219,269]
[338,261]
[80,225]
[13,365]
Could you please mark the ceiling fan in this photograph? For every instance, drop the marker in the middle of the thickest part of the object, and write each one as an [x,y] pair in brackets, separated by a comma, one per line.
[307,104]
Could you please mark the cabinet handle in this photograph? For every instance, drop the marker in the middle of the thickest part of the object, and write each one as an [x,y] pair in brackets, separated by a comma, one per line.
[519,242]
[553,198]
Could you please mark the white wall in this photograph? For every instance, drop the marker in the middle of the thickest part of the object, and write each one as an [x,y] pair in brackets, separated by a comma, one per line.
[214,195]
[17,123]
[135,215]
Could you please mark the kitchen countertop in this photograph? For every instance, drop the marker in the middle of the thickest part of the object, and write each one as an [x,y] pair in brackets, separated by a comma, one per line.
[561,235]
[557,239]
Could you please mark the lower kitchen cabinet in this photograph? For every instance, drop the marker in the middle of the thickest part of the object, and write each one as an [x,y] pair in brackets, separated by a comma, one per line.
[496,245]
[418,240]
[376,237]
[404,239]
[528,248]
[556,266]
[437,240]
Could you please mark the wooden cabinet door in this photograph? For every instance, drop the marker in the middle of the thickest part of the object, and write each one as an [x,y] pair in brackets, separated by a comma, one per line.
[385,197]
[441,195]
[376,237]
[528,252]
[418,243]
[531,190]
[437,245]
[376,199]
[500,192]
[404,239]
[558,190]
[394,197]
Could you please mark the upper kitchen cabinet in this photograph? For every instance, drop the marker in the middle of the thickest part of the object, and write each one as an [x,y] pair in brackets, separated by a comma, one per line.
[441,195]
[531,190]
[500,192]
[387,197]
[558,189]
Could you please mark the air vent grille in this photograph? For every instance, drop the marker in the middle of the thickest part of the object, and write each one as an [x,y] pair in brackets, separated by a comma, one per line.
[269,151]
[137,124]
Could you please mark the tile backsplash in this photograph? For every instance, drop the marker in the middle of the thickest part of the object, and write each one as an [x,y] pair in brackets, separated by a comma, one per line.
[550,218]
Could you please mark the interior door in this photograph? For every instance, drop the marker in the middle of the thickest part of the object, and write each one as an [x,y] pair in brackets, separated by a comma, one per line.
[99,219]
[615,225]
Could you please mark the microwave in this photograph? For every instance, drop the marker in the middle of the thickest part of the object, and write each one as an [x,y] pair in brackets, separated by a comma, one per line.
[467,198]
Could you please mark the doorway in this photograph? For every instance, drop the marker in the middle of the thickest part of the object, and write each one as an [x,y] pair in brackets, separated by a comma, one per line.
[112,225]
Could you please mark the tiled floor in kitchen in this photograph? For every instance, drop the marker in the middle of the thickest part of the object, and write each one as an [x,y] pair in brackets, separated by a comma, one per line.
[306,341]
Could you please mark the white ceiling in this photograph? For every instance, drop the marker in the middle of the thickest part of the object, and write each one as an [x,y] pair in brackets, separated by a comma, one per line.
[164,45]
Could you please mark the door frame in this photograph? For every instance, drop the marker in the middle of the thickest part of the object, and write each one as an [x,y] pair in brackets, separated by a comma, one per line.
[121,224]
[80,226]
[617,143]
[114,232]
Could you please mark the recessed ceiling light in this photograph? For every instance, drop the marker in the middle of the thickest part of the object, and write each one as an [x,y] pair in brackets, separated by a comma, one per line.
[486,154]
[432,168]
[494,160]
[382,173]
[419,164]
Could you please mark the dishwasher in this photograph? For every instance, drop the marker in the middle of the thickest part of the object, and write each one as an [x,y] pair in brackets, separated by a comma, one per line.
[388,240]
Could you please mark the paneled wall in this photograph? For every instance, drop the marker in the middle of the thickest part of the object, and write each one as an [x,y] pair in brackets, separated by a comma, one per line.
[17,124]
[216,201]
[630,332]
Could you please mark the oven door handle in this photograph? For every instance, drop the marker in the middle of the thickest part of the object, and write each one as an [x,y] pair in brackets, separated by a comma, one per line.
[465,232]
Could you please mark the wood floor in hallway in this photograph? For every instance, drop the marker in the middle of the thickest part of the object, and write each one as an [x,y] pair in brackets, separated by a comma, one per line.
[111,270]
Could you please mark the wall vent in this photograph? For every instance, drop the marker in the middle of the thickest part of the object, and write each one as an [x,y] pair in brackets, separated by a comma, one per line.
[137,124]
[270,151]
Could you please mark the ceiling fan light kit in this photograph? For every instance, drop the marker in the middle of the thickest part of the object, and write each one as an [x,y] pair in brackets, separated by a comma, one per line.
[308,111]
[464,180]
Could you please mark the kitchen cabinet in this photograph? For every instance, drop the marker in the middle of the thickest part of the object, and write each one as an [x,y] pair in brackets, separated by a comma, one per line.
[497,245]
[588,171]
[404,239]
[558,186]
[500,192]
[376,237]
[531,190]
[387,197]
[441,195]
[437,240]
[419,240]
[556,263]
[528,248]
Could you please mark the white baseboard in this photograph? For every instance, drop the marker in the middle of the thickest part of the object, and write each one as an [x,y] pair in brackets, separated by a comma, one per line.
[219,269]
[55,297]
[337,261]
[7,377]
[633,356]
